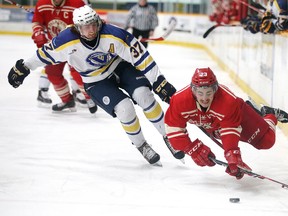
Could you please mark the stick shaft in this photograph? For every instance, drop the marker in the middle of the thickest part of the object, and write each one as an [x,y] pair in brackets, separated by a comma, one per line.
[19,6]
[171,27]
[250,173]
[249,5]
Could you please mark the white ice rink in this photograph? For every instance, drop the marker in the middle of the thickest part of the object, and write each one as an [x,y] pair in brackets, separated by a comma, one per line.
[76,164]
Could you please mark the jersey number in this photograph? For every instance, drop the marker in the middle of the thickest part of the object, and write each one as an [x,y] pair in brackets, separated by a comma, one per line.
[136,49]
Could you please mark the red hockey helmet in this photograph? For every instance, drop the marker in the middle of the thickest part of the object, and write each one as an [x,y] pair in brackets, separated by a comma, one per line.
[204,77]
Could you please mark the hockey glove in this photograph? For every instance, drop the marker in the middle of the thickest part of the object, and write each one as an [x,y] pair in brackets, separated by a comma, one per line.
[200,153]
[39,36]
[267,26]
[163,89]
[282,22]
[17,74]
[234,160]
[251,23]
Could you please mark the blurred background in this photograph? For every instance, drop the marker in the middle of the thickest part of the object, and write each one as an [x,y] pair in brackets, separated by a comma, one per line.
[175,6]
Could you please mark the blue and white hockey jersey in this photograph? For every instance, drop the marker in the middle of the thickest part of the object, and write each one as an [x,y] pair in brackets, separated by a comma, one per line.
[98,62]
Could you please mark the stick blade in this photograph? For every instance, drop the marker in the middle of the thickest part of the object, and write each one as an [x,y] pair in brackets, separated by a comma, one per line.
[209,30]
[151,39]
[171,27]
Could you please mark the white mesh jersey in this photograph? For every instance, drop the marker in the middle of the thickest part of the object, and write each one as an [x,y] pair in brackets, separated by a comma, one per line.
[98,62]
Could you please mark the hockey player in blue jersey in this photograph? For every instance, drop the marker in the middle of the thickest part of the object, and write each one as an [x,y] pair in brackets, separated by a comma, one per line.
[116,69]
[276,17]
[274,20]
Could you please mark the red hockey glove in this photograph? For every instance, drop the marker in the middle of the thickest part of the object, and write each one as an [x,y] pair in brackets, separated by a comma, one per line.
[39,36]
[200,153]
[234,160]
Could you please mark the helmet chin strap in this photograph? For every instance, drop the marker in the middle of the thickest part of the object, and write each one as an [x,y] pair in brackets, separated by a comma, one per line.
[90,42]
[88,39]
[83,36]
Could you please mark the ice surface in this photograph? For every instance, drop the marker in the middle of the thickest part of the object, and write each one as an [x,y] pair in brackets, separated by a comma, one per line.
[72,164]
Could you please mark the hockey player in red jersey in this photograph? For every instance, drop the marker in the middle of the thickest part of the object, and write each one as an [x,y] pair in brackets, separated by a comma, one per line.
[225,11]
[50,18]
[221,114]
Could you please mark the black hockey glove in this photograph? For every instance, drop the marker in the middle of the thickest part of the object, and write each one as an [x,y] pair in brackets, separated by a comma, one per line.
[267,25]
[163,89]
[18,73]
[282,23]
[251,23]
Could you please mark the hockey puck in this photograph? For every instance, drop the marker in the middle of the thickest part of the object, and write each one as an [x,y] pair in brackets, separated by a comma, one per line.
[234,200]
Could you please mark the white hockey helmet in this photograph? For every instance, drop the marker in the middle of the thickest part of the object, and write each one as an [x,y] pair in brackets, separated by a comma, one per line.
[86,15]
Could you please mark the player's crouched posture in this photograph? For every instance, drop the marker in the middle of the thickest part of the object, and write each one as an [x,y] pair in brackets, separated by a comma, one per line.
[223,115]
[116,70]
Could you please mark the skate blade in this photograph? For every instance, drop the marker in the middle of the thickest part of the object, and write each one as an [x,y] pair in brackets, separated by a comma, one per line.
[68,110]
[82,105]
[44,105]
[73,109]
[158,164]
[182,160]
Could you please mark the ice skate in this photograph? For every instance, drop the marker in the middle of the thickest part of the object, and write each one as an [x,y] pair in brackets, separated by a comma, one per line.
[92,106]
[79,97]
[281,115]
[252,104]
[43,96]
[64,106]
[176,153]
[149,154]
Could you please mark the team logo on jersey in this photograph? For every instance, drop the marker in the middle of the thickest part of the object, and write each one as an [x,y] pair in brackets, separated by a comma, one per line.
[56,26]
[99,59]
[106,100]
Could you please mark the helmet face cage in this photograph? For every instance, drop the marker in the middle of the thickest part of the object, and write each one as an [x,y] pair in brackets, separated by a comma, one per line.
[84,16]
[204,78]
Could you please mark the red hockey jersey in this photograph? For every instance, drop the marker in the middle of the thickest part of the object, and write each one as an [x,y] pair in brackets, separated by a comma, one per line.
[55,19]
[228,115]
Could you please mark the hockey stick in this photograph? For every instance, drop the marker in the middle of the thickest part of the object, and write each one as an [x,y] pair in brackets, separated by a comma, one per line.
[171,27]
[19,6]
[250,173]
[258,5]
[255,6]
[211,137]
[250,6]
[217,25]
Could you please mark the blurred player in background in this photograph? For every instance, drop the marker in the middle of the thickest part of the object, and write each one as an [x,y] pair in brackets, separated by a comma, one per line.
[50,18]
[272,19]
[143,20]
[225,11]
